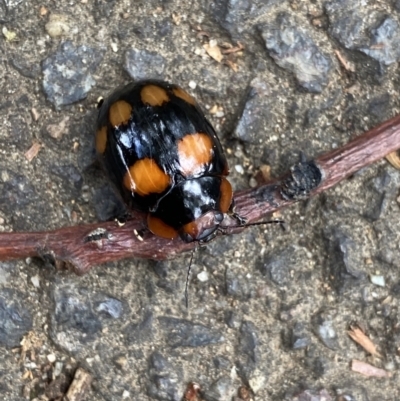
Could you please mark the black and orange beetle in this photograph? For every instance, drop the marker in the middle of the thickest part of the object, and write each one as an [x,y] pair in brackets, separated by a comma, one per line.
[165,159]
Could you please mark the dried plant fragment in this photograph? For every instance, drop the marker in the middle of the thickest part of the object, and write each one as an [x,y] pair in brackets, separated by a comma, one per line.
[213,50]
[347,65]
[394,159]
[368,370]
[357,335]
[79,387]
[33,151]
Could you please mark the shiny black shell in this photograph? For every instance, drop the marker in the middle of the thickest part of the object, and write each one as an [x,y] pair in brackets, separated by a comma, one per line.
[161,153]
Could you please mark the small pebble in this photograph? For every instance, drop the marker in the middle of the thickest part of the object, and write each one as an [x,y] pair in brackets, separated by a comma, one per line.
[35,281]
[58,25]
[58,369]
[252,182]
[192,85]
[378,280]
[203,276]
[51,358]
[239,168]
[114,47]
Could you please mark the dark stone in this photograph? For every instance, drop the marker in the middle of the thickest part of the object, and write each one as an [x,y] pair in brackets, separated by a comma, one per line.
[377,208]
[160,268]
[81,315]
[164,27]
[219,390]
[67,74]
[380,106]
[69,174]
[26,69]
[382,191]
[248,341]
[183,333]
[237,16]
[316,364]
[395,289]
[23,102]
[300,336]
[324,329]
[16,194]
[277,266]
[247,350]
[378,38]
[103,9]
[237,285]
[15,318]
[140,64]
[5,104]
[109,307]
[346,23]
[384,42]
[164,380]
[19,134]
[294,50]
[232,319]
[107,204]
[142,331]
[73,312]
[343,260]
[221,363]
[251,124]
[167,286]
[146,27]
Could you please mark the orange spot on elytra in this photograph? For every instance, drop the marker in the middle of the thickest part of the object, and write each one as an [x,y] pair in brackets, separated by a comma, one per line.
[226,195]
[145,177]
[158,227]
[153,95]
[101,139]
[191,228]
[194,151]
[178,92]
[119,113]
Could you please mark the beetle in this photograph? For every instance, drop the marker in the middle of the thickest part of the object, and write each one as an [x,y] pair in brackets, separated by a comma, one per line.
[165,159]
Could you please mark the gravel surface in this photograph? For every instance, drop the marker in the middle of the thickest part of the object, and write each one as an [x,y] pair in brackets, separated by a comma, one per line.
[269,310]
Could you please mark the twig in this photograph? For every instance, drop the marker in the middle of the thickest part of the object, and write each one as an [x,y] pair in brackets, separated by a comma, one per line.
[82,247]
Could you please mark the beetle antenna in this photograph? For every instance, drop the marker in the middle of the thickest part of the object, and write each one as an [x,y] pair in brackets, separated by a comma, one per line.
[259,223]
[188,277]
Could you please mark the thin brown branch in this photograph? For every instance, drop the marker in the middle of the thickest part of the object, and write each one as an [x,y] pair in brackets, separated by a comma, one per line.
[85,246]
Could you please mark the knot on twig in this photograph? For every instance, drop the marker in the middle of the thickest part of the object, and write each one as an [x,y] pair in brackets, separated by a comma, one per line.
[303,178]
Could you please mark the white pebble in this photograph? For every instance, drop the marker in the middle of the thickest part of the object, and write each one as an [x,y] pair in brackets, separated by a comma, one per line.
[203,276]
[239,168]
[114,47]
[58,369]
[35,281]
[378,280]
